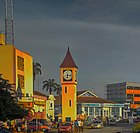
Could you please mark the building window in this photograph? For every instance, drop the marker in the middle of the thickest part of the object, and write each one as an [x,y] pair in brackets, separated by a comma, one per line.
[70,103]
[68,119]
[51,105]
[21,81]
[20,63]
[86,110]
[130,96]
[91,110]
[137,102]
[65,89]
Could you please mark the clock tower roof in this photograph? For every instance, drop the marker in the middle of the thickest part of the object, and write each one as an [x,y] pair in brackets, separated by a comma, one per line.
[68,61]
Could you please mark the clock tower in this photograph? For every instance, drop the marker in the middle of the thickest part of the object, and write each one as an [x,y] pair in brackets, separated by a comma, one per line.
[68,78]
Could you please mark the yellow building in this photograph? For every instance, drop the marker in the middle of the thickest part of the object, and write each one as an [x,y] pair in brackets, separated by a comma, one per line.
[44,105]
[50,107]
[68,77]
[17,67]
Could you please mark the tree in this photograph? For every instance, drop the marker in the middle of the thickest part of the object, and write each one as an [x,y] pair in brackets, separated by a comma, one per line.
[50,85]
[58,92]
[36,71]
[9,109]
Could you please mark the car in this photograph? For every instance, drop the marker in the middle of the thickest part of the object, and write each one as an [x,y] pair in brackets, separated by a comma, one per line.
[21,126]
[43,121]
[95,124]
[112,122]
[4,130]
[37,126]
[65,127]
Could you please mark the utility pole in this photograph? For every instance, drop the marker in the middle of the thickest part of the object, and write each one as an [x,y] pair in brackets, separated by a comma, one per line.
[9,26]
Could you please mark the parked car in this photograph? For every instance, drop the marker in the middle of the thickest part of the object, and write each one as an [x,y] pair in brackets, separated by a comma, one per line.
[43,121]
[65,127]
[4,130]
[112,122]
[95,124]
[37,126]
[21,126]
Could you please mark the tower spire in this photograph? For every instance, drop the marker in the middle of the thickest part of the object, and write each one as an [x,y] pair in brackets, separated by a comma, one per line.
[68,60]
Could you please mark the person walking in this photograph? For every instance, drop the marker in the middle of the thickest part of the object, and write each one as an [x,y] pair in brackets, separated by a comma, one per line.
[76,126]
[79,125]
[82,126]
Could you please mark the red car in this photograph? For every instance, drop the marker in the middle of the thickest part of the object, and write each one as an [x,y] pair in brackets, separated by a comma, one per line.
[37,126]
[65,127]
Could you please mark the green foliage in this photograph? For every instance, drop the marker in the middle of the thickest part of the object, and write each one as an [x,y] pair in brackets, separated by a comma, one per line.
[9,109]
[136,128]
[50,85]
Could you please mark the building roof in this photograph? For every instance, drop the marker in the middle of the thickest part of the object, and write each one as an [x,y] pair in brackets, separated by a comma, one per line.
[90,99]
[85,93]
[68,61]
[136,84]
[85,97]
[39,93]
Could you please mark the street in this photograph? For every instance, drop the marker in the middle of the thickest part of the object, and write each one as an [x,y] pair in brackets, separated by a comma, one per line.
[120,128]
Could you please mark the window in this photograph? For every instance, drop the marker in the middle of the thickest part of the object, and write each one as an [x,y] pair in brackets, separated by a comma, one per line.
[68,119]
[51,105]
[21,81]
[137,102]
[137,95]
[70,103]
[91,110]
[86,110]
[129,96]
[20,63]
[65,89]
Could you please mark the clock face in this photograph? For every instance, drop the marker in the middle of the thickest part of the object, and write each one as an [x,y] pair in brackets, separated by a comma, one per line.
[67,74]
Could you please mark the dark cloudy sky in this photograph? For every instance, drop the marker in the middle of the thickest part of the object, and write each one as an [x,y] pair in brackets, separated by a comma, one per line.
[103,36]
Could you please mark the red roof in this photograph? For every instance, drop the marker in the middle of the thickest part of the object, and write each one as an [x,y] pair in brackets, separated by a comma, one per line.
[68,61]
[90,99]
[85,99]
[39,93]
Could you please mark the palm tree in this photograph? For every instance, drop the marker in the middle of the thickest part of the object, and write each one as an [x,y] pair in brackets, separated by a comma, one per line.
[36,71]
[50,85]
[58,92]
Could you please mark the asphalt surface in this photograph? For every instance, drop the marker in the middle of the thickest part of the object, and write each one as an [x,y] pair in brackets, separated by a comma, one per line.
[119,128]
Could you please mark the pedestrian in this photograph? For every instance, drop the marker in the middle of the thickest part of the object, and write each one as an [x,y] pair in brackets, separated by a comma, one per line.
[79,125]
[72,125]
[82,126]
[107,120]
[58,124]
[76,126]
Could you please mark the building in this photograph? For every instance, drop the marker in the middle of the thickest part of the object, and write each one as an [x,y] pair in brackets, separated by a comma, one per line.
[50,107]
[91,105]
[17,67]
[125,92]
[39,102]
[68,78]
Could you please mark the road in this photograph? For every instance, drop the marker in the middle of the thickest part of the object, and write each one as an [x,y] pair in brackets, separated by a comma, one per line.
[120,128]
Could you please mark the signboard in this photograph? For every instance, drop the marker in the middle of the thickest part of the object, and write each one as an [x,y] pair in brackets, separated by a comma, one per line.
[91,105]
[40,102]
[39,115]
[112,105]
[25,99]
